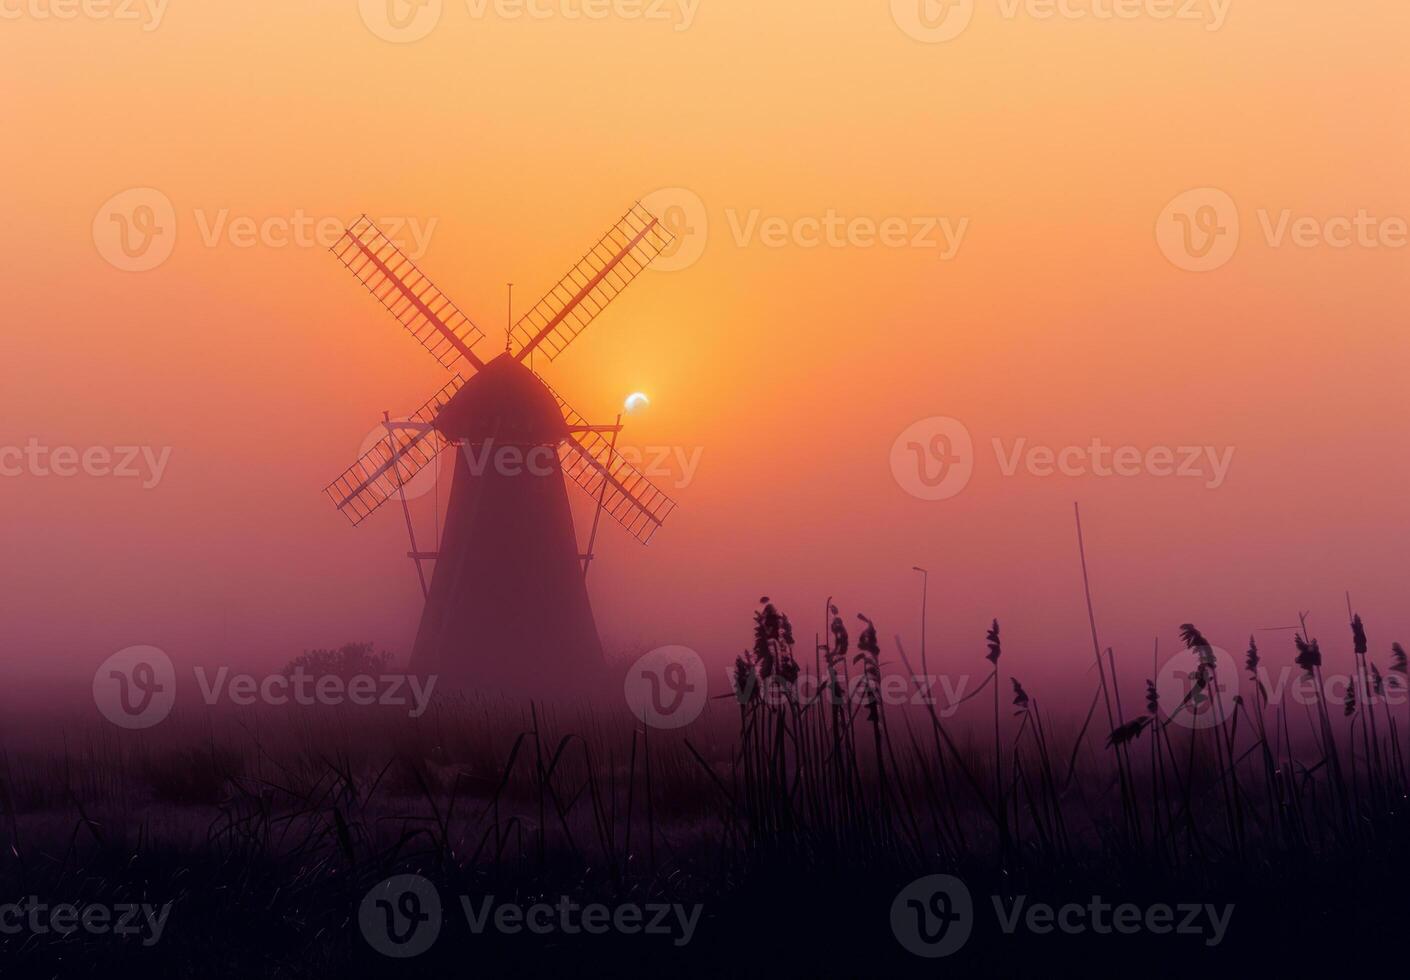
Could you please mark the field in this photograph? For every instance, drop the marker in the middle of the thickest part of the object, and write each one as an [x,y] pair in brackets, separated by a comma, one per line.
[774,836]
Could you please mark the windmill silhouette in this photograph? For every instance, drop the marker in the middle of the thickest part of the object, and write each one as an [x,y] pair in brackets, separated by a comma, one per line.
[507,606]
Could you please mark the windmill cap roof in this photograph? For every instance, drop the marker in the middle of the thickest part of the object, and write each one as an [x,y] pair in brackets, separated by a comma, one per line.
[505,402]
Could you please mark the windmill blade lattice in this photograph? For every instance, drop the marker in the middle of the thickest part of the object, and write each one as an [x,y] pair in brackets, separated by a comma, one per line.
[599,277]
[408,293]
[589,460]
[393,462]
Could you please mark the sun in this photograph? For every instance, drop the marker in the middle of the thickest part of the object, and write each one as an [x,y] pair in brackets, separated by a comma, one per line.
[636,402]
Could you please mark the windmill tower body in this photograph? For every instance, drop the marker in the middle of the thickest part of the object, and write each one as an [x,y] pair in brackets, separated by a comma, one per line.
[507,607]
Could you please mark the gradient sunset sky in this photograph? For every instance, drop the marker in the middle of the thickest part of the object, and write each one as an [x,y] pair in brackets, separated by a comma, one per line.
[1055,143]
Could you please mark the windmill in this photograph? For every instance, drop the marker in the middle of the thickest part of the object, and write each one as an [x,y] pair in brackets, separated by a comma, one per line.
[507,606]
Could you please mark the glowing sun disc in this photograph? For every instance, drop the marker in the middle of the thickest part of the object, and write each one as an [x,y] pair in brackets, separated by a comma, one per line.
[637,402]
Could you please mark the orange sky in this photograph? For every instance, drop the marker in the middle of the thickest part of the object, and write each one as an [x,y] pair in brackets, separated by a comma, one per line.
[1055,143]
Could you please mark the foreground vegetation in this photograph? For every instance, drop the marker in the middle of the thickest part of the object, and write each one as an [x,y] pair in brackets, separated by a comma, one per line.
[793,811]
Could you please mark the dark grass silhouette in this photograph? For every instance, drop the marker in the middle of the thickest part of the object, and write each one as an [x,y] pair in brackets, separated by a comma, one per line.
[794,811]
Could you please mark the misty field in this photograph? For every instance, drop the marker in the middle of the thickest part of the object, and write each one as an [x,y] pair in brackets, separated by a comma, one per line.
[792,814]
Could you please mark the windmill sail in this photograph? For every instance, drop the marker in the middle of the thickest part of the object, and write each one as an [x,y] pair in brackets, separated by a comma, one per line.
[404,289]
[598,278]
[509,573]
[589,460]
[394,461]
